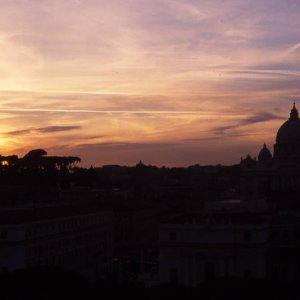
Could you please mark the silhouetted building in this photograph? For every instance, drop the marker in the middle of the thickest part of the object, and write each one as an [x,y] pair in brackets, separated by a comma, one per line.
[199,248]
[284,246]
[76,238]
[287,147]
[135,243]
[256,237]
[274,181]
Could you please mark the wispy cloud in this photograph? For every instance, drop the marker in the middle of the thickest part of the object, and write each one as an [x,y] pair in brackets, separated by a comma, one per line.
[48,129]
[126,146]
[222,134]
[253,119]
[146,72]
[57,128]
[261,117]
[19,132]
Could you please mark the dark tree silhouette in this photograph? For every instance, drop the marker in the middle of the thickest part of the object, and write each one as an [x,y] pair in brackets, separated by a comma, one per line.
[36,163]
[37,153]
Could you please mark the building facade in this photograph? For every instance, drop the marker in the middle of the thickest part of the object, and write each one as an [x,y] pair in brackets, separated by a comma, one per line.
[198,249]
[257,238]
[74,239]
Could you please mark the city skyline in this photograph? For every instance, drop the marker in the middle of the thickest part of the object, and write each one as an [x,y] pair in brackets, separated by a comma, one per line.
[169,82]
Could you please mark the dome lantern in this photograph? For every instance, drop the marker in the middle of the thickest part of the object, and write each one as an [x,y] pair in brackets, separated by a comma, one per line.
[294,115]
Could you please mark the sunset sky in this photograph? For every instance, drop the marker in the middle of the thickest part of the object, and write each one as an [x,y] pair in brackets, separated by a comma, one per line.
[168,82]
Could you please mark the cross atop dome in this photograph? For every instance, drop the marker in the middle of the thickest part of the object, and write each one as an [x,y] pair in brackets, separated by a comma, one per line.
[294,112]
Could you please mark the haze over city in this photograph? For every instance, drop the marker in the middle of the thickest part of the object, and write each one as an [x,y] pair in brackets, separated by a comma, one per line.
[170,82]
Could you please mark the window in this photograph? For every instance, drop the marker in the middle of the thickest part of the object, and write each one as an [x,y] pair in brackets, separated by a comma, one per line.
[247,274]
[209,271]
[3,235]
[274,234]
[174,275]
[247,236]
[173,236]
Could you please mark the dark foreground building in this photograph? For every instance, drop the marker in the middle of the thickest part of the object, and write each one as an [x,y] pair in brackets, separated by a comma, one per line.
[106,228]
[274,180]
[258,237]
[76,238]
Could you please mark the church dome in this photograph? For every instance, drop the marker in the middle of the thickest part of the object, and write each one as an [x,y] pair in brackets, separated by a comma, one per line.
[287,147]
[289,131]
[264,154]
